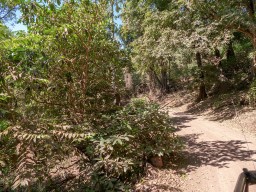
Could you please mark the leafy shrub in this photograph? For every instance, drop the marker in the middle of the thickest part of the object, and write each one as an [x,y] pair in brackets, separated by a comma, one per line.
[57,102]
[115,146]
[129,137]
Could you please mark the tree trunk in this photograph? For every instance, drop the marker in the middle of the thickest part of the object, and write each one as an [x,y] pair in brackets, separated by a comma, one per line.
[222,82]
[221,77]
[230,51]
[164,80]
[202,91]
[251,8]
[218,56]
[128,79]
[252,71]
[155,81]
[151,81]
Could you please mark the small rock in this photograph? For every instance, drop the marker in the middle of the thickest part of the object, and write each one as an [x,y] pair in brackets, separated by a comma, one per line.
[157,161]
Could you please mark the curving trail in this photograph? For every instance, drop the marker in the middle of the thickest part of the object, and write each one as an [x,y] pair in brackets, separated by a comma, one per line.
[215,153]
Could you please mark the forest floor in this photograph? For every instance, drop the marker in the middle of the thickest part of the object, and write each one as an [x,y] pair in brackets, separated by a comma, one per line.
[219,143]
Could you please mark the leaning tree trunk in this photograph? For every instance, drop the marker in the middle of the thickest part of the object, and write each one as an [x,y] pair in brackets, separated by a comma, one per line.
[252,35]
[202,90]
[222,81]
[252,71]
[164,79]
[151,82]
[230,52]
[222,77]
[156,82]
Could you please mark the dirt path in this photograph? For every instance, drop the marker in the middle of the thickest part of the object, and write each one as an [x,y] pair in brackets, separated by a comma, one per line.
[215,153]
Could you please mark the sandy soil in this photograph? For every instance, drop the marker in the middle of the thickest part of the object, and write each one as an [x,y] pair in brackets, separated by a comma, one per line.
[215,151]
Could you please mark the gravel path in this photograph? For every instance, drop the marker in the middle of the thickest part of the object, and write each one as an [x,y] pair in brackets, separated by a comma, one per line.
[215,152]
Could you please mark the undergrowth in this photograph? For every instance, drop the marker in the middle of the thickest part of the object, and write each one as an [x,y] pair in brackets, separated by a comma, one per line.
[113,150]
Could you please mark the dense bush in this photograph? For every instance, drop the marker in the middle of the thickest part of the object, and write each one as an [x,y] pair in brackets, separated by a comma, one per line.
[62,126]
[115,148]
[129,137]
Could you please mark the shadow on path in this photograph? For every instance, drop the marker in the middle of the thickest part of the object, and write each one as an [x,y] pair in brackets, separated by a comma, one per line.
[214,153]
[207,153]
[181,119]
[159,187]
[218,110]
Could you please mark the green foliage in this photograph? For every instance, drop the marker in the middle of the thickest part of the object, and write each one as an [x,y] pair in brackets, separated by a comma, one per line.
[142,129]
[60,84]
[252,93]
[8,9]
[59,89]
[3,125]
[128,138]
[168,38]
[166,35]
[118,145]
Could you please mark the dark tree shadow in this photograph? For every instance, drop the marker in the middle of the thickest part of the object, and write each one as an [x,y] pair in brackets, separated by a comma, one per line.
[219,109]
[158,187]
[214,153]
[181,119]
[223,112]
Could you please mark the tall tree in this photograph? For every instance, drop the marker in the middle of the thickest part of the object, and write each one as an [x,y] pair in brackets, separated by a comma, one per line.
[202,90]
[237,15]
[147,29]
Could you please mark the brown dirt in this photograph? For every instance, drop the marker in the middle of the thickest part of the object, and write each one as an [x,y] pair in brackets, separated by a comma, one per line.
[215,152]
[219,143]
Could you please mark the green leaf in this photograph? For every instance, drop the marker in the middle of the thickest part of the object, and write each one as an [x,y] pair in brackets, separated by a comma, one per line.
[119,141]
[52,6]
[58,2]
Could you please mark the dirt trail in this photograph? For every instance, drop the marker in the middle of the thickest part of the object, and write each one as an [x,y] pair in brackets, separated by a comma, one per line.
[215,153]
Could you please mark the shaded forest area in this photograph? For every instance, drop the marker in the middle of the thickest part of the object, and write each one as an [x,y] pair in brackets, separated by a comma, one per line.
[70,115]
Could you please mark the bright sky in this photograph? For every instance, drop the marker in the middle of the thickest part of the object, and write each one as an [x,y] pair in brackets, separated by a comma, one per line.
[16,26]
[19,26]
